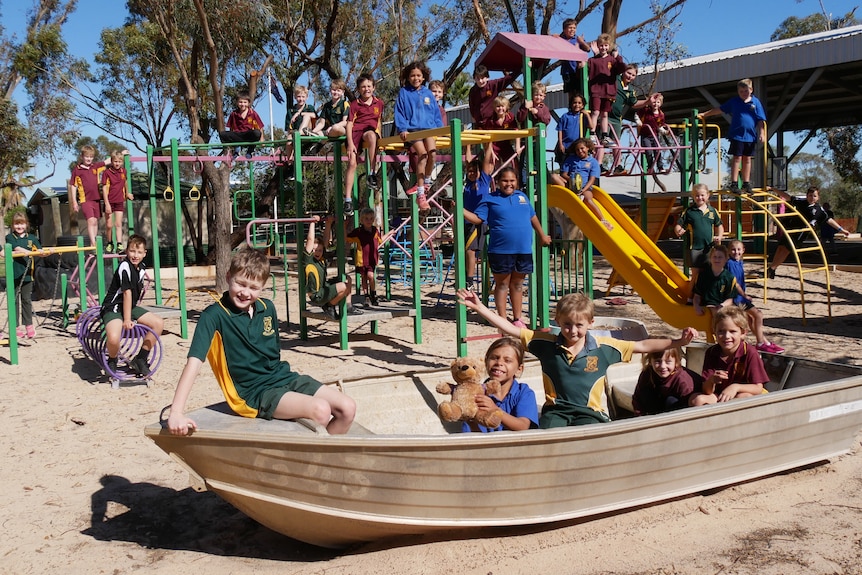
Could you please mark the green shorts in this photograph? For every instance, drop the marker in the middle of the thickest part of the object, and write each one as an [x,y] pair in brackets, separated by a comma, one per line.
[269,399]
[566,416]
[326,293]
[109,316]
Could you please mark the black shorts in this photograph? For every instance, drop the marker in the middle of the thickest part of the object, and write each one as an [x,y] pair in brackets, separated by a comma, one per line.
[738,148]
[475,236]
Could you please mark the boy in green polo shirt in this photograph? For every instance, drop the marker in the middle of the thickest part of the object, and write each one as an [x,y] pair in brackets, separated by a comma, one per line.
[239,336]
[574,362]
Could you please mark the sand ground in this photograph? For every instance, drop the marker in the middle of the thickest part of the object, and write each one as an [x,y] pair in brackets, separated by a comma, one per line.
[85,492]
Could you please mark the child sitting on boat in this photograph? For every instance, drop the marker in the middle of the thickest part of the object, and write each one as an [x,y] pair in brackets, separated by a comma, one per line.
[731,368]
[239,335]
[664,384]
[574,362]
[504,361]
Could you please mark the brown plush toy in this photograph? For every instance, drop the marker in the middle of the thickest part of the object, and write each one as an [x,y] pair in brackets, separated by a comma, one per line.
[467,373]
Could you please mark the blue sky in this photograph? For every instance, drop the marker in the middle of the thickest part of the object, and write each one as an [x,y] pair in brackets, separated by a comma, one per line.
[708,26]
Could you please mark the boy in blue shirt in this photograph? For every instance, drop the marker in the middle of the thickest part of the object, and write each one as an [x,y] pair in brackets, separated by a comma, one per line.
[747,129]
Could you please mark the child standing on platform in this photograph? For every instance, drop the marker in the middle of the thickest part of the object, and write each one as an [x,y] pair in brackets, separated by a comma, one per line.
[516,402]
[755,316]
[569,70]
[510,217]
[22,242]
[243,124]
[574,363]
[483,93]
[240,336]
[503,150]
[603,69]
[332,119]
[664,384]
[416,109]
[703,224]
[731,368]
[747,129]
[114,194]
[120,309]
[580,171]
[476,188]
[366,239]
[572,126]
[651,125]
[364,124]
[84,190]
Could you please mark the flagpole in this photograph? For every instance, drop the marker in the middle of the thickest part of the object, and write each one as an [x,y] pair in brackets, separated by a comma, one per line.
[269,81]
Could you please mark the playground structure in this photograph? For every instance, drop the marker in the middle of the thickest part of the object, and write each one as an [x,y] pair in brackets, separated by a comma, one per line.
[504,50]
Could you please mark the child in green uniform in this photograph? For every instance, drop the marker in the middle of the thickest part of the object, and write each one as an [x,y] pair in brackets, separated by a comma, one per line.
[325,293]
[716,286]
[239,336]
[574,362]
[703,224]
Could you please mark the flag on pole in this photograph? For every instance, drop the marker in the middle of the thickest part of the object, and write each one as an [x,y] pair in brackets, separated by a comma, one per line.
[273,88]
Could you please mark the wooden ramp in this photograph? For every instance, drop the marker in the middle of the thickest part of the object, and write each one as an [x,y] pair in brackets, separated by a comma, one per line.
[659,208]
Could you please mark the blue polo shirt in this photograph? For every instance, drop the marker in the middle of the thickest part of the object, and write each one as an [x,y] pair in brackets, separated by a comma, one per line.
[738,271]
[581,168]
[744,118]
[572,126]
[519,402]
[475,192]
[508,219]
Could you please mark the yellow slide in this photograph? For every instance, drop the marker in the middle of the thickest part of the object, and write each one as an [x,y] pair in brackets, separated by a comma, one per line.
[651,274]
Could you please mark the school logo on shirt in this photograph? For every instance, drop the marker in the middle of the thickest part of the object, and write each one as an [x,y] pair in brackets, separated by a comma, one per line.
[522,200]
[267,326]
[592,364]
[427,101]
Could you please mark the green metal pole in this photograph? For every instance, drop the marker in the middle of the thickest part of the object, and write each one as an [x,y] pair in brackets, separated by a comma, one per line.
[11,305]
[458,240]
[543,260]
[178,222]
[154,227]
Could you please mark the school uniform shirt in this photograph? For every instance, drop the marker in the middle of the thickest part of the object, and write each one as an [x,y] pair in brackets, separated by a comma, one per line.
[572,126]
[653,394]
[714,289]
[567,67]
[475,192]
[576,383]
[627,96]
[365,115]
[541,115]
[745,366]
[290,123]
[580,169]
[315,277]
[85,181]
[481,100]
[367,243]
[737,269]
[700,225]
[743,118]
[114,184]
[127,277]
[519,402]
[603,72]
[334,113]
[23,266]
[650,119]
[243,350]
[416,109]
[236,123]
[508,219]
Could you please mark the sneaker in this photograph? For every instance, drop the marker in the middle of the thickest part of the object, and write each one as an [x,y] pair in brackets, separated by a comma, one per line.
[31,331]
[422,202]
[139,366]
[620,171]
[518,323]
[307,132]
[330,310]
[734,188]
[112,365]
[470,286]
[776,348]
[746,187]
[354,311]
[608,143]
[769,348]
[109,249]
[770,273]
[20,332]
[373,299]
[249,153]
[120,247]
[429,182]
[372,180]
[348,207]
[594,140]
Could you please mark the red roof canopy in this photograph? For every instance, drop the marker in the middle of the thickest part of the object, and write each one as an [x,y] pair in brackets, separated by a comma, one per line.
[508,49]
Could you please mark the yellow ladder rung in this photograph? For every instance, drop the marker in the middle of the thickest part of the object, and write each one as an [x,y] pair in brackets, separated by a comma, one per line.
[796,230]
[811,249]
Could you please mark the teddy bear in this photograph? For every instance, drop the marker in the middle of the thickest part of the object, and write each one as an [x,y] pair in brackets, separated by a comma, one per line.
[467,373]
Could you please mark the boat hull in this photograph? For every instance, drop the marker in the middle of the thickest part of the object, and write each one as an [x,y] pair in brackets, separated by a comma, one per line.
[401,472]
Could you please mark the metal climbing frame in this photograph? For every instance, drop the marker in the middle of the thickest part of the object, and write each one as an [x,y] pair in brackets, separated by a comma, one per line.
[789,222]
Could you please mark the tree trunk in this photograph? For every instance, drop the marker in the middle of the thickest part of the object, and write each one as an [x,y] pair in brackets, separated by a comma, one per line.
[219,232]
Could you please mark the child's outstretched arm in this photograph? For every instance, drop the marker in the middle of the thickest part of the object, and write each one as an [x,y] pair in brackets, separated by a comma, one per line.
[178,423]
[661,344]
[472,301]
[309,239]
